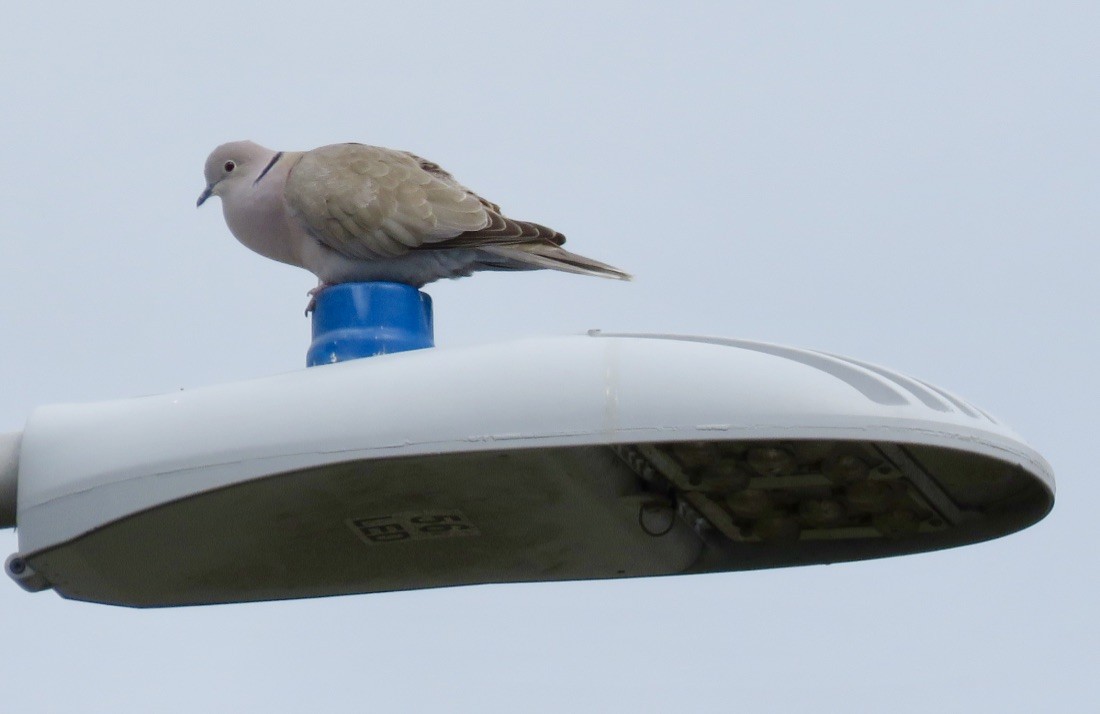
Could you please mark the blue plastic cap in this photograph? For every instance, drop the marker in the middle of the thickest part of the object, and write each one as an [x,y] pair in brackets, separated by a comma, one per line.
[353,320]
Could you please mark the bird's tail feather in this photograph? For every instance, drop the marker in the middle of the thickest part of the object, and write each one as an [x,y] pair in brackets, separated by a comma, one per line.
[534,256]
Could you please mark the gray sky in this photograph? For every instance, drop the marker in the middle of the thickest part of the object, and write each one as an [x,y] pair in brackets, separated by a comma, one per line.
[912,186]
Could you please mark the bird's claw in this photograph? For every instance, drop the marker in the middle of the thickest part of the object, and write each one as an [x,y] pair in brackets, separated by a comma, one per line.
[312,304]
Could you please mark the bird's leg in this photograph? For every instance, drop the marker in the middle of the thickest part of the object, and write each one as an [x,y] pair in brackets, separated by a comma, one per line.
[313,296]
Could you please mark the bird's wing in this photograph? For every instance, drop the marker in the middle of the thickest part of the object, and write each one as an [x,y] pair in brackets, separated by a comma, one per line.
[368,202]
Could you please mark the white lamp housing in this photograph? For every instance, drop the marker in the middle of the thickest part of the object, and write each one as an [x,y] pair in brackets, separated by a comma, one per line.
[597,456]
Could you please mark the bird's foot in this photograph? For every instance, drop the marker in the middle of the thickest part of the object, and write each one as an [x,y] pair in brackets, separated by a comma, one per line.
[312,304]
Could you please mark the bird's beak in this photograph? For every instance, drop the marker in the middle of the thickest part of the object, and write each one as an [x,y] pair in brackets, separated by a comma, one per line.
[207,193]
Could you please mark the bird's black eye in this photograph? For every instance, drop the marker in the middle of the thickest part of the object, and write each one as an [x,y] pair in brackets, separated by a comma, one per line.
[229,166]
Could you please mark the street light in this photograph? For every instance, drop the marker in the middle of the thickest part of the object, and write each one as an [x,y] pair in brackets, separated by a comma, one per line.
[560,458]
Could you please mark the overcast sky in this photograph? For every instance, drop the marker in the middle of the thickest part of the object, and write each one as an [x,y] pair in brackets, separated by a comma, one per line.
[912,185]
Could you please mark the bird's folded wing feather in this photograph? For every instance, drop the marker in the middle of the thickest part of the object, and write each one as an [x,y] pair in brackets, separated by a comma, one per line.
[368,202]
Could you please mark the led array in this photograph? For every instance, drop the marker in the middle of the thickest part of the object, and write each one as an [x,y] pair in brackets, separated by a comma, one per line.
[782,491]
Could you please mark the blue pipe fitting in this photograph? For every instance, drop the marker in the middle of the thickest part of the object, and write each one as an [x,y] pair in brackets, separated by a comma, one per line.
[353,320]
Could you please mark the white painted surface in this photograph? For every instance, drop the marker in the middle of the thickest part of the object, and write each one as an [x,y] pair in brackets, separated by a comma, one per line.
[86,465]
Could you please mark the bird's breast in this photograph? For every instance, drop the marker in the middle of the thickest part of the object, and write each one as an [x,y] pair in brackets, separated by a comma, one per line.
[260,222]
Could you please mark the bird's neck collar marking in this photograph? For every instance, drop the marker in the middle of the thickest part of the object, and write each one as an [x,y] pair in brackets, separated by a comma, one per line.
[267,168]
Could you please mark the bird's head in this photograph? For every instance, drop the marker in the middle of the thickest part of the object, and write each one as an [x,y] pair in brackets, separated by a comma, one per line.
[238,163]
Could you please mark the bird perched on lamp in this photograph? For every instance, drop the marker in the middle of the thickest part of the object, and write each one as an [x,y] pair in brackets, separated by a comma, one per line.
[358,213]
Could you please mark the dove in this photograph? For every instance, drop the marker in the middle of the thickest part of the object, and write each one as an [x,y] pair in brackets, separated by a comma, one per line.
[359,213]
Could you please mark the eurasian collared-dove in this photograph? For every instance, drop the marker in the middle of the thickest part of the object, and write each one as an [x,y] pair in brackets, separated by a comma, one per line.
[350,213]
